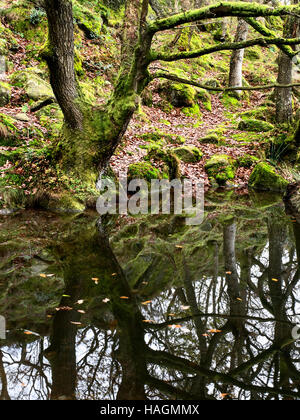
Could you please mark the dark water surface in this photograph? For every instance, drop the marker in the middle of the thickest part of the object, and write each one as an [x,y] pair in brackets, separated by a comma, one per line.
[152,308]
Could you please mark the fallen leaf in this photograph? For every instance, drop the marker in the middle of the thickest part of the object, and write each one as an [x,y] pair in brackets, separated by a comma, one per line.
[43,275]
[124,297]
[75,323]
[276,280]
[28,332]
[80,302]
[146,302]
[80,311]
[215,331]
[229,272]
[114,274]
[178,246]
[148,320]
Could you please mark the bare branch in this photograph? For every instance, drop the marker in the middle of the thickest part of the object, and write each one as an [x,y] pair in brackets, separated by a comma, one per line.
[227,46]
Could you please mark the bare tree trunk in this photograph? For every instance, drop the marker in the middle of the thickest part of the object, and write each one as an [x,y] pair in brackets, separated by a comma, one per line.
[284,102]
[237,58]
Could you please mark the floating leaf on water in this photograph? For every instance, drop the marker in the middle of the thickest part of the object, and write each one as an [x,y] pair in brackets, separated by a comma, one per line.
[276,280]
[105,300]
[124,297]
[146,302]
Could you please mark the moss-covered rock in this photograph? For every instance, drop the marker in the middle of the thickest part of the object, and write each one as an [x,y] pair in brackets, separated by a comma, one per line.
[143,170]
[168,157]
[5,93]
[251,124]
[179,95]
[204,97]
[35,87]
[221,168]
[247,161]
[209,139]
[265,178]
[188,154]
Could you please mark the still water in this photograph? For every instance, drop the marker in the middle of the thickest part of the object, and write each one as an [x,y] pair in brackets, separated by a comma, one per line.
[149,308]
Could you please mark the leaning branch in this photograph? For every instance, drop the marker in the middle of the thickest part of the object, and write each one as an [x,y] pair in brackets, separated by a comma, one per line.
[263,30]
[174,78]
[263,42]
[219,10]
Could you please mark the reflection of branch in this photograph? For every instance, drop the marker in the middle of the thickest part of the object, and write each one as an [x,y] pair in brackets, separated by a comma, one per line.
[215,315]
[165,359]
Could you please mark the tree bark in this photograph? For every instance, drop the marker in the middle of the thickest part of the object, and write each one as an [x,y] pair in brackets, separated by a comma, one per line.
[237,58]
[59,55]
[284,97]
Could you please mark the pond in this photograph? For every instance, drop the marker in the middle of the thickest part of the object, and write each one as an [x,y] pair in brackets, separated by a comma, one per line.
[150,308]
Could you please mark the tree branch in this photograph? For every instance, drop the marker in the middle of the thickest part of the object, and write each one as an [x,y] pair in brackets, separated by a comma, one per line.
[227,46]
[263,30]
[219,10]
[174,78]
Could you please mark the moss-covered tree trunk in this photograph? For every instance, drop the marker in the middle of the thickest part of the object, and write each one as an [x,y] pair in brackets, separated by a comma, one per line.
[91,133]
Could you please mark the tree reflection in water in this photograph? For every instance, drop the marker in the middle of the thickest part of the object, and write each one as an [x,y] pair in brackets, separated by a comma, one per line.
[155,310]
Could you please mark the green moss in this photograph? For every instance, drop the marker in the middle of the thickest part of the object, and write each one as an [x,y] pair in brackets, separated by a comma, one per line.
[193,111]
[230,101]
[204,97]
[209,139]
[248,124]
[247,161]
[221,168]
[143,170]
[265,178]
[168,157]
[87,20]
[188,154]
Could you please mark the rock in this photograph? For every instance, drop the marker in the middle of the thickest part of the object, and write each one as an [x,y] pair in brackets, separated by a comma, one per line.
[209,139]
[35,87]
[4,93]
[247,161]
[221,168]
[179,95]
[143,170]
[254,125]
[21,116]
[188,154]
[265,178]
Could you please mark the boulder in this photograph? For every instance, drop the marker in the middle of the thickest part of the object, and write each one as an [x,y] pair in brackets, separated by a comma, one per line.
[35,87]
[221,168]
[5,93]
[265,178]
[188,154]
[248,124]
